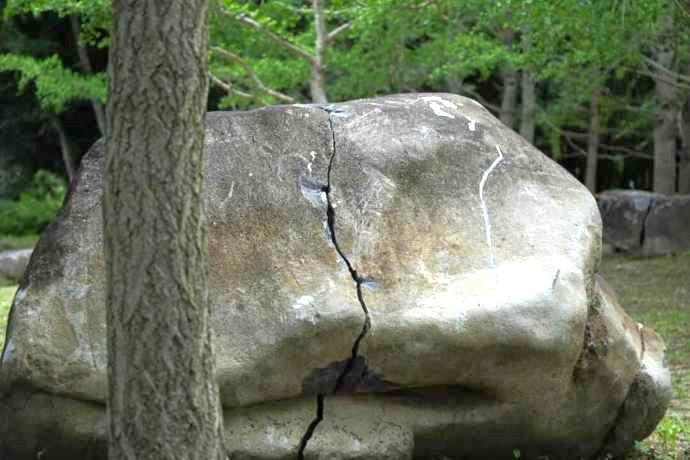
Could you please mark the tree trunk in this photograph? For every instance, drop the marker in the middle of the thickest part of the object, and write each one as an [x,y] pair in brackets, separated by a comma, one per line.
[529,106]
[684,166]
[509,76]
[163,400]
[64,147]
[509,98]
[317,84]
[665,118]
[85,64]
[593,141]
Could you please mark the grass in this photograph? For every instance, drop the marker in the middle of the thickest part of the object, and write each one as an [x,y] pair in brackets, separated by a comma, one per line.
[6,296]
[656,292]
[10,242]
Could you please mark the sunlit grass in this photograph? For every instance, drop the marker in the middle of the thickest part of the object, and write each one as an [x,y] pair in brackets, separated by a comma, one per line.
[6,296]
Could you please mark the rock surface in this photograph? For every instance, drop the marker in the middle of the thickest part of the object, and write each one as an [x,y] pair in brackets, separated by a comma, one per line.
[645,223]
[13,263]
[454,258]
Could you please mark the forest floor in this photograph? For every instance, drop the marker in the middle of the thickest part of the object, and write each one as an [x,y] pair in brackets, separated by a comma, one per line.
[655,292]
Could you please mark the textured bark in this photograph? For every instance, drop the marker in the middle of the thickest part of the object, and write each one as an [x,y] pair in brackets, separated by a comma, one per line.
[509,76]
[64,147]
[684,166]
[593,141]
[316,84]
[665,92]
[529,105]
[85,64]
[163,396]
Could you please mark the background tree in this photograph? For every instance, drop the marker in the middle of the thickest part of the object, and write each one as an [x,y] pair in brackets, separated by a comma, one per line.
[163,396]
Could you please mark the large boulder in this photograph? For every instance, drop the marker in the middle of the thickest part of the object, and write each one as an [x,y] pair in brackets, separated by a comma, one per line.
[645,223]
[409,253]
[14,262]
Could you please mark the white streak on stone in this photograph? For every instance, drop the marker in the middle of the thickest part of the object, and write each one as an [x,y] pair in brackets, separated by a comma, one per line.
[472,125]
[485,211]
[438,103]
[302,301]
[229,197]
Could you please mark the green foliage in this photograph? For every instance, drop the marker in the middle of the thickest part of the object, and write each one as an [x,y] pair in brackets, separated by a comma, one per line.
[56,86]
[35,208]
[95,15]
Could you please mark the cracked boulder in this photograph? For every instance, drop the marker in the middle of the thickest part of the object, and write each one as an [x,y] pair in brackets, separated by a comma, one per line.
[639,222]
[407,267]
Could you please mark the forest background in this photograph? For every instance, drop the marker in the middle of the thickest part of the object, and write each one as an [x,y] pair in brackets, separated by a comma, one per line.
[601,86]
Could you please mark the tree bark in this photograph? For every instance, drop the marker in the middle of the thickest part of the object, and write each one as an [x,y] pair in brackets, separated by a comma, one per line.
[593,141]
[529,106]
[64,147]
[163,400]
[85,64]
[684,166]
[509,76]
[665,92]
[509,97]
[317,82]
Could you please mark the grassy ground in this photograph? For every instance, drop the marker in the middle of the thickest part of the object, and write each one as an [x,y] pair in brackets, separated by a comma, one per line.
[6,295]
[9,242]
[656,292]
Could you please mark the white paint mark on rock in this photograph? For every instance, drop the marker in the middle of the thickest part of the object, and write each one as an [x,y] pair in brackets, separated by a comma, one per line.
[485,211]
[472,125]
[437,104]
[302,302]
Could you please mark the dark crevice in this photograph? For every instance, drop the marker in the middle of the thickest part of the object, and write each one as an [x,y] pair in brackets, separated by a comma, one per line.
[359,282]
[312,426]
[643,231]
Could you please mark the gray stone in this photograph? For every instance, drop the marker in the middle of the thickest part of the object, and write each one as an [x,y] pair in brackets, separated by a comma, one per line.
[13,263]
[651,224]
[457,260]
[668,226]
[624,213]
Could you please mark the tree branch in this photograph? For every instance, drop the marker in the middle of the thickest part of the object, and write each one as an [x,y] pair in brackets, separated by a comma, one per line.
[670,73]
[275,38]
[228,87]
[232,57]
[337,31]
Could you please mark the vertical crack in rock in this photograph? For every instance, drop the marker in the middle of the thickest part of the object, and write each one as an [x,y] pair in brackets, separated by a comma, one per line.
[485,211]
[312,426]
[643,231]
[359,282]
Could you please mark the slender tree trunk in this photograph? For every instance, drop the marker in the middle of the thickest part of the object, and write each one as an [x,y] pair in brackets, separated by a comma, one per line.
[163,398]
[64,147]
[509,77]
[509,97]
[529,106]
[85,64]
[317,83]
[684,166]
[593,141]
[665,118]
